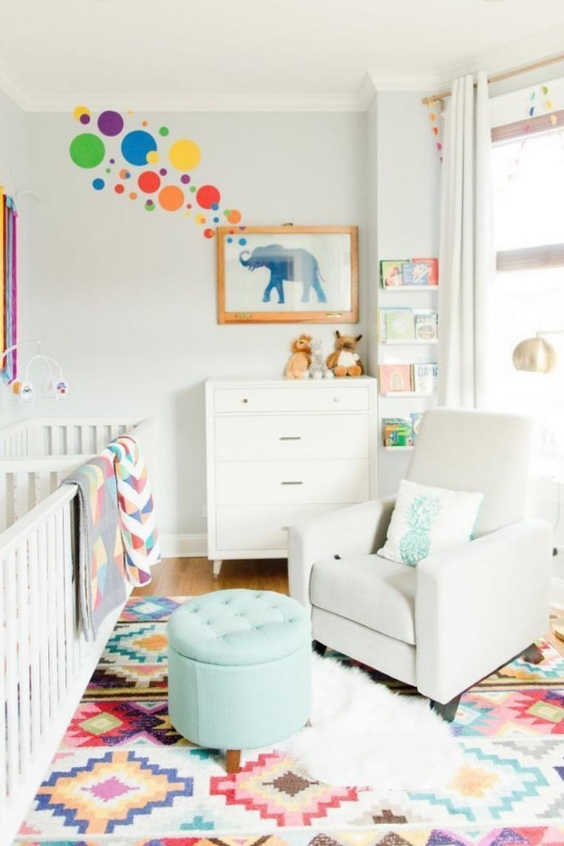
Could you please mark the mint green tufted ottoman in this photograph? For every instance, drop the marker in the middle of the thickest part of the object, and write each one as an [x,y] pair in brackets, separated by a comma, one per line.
[239,670]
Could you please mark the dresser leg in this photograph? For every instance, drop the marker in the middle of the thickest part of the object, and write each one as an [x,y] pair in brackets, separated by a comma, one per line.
[217,567]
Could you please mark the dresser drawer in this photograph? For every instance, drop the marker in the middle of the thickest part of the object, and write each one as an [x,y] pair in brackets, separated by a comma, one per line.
[306,398]
[291,436]
[261,526]
[279,482]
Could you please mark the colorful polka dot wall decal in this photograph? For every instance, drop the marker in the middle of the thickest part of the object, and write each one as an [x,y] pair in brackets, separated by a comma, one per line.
[136,145]
[171,198]
[207,196]
[135,152]
[184,154]
[110,123]
[87,150]
[149,182]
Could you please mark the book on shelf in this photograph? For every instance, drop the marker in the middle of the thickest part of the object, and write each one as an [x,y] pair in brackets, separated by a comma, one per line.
[394,378]
[419,272]
[397,432]
[415,418]
[425,378]
[409,273]
[425,325]
[396,324]
[391,274]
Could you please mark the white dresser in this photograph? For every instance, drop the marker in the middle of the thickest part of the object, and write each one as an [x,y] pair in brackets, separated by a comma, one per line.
[280,450]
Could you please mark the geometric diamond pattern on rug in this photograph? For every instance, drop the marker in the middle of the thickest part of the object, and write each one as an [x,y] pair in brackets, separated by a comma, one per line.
[128,681]
[124,777]
[279,792]
[114,723]
[143,609]
[495,713]
[140,643]
[110,791]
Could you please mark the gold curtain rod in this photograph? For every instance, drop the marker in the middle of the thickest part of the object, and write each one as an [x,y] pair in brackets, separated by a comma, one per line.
[499,77]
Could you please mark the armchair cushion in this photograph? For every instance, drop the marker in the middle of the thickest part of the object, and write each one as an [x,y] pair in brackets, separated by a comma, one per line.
[428,519]
[369,590]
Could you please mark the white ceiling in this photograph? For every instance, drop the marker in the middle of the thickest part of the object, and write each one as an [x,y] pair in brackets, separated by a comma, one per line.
[271,54]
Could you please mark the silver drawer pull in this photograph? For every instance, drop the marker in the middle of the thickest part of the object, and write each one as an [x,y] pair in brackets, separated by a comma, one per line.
[244,400]
[290,438]
[336,399]
[291,483]
[284,528]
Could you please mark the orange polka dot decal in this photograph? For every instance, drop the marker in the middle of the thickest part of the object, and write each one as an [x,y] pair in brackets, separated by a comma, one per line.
[119,148]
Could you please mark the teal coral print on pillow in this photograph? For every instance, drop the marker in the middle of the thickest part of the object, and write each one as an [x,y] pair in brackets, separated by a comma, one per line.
[426,520]
[416,543]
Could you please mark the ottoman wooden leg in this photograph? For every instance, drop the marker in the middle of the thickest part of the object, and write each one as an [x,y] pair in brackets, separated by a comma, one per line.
[233,760]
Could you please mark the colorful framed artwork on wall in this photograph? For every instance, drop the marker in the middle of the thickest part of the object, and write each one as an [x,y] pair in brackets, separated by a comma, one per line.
[287,274]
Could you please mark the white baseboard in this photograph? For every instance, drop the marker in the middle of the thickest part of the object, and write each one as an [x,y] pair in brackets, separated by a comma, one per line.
[184,546]
[557,593]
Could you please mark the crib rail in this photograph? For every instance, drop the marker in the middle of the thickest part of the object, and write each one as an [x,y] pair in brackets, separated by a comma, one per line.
[46,661]
[62,436]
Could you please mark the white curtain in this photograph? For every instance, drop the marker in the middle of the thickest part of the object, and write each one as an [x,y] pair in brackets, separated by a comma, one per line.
[467,256]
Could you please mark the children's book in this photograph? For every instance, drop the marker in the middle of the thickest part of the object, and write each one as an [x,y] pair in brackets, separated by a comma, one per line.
[397,432]
[425,325]
[425,378]
[391,273]
[394,378]
[420,272]
[416,418]
[398,324]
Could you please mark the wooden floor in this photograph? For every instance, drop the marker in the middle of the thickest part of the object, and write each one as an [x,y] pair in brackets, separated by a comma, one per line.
[193,576]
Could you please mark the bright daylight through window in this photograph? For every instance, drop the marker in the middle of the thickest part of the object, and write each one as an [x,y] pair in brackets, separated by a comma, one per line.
[529,288]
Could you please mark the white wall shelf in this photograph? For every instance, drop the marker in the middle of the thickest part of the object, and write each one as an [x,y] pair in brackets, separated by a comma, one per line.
[409,341]
[412,288]
[398,448]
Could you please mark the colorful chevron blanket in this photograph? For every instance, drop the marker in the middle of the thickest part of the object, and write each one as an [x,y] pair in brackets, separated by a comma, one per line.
[101,583]
[118,538]
[136,510]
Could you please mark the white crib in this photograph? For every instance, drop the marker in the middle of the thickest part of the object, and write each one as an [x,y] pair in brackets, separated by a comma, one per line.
[45,661]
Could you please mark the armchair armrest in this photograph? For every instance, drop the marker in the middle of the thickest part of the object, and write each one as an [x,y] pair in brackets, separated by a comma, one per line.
[480,604]
[357,530]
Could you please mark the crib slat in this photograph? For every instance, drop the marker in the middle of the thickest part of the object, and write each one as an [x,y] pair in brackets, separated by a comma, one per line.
[59,604]
[34,639]
[3,737]
[43,644]
[23,655]
[12,699]
[51,615]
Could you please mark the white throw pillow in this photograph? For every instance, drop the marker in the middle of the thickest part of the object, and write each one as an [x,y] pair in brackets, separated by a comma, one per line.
[427,519]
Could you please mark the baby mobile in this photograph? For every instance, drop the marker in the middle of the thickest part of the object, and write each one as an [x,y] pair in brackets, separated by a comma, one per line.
[148,166]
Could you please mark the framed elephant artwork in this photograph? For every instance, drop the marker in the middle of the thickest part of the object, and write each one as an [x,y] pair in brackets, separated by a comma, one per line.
[287,274]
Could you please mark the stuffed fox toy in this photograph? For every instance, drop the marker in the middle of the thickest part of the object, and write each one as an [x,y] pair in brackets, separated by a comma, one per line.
[345,361]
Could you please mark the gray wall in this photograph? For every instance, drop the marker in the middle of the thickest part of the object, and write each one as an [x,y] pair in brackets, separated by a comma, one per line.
[126,300]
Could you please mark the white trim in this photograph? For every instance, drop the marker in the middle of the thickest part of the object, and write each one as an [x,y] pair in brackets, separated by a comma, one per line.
[184,546]
[425,82]
[13,90]
[557,593]
[204,103]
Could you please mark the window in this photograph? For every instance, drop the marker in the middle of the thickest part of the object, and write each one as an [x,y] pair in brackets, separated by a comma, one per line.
[528,166]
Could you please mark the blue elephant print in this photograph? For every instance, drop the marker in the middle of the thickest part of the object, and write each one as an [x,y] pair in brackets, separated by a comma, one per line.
[286,265]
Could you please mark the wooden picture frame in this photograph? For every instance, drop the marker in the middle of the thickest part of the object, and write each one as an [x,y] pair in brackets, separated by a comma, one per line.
[287,274]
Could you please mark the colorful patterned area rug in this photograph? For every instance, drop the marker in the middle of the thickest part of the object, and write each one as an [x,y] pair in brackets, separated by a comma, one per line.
[124,777]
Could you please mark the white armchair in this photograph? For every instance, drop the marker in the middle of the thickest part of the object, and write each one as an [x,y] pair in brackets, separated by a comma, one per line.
[462,612]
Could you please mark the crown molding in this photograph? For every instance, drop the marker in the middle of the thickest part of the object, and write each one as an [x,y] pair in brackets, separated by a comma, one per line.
[13,90]
[202,103]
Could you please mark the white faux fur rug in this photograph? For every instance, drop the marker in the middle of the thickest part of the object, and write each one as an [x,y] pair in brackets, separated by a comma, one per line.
[363,734]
